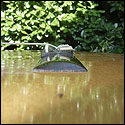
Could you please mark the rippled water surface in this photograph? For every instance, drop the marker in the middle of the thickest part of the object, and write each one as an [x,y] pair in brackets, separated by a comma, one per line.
[96,96]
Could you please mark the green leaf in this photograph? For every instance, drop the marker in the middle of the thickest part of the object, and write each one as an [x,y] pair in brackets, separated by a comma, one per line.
[28,15]
[55,22]
[62,28]
[6,1]
[81,5]
[50,15]
[62,40]
[33,33]
[40,32]
[3,33]
[82,33]
[39,37]
[24,32]
[9,23]
[15,27]
[37,7]
[27,4]
[112,9]
[79,39]
[42,25]
[26,37]
[49,29]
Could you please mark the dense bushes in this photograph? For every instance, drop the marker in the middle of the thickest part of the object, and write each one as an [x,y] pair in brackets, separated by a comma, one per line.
[78,23]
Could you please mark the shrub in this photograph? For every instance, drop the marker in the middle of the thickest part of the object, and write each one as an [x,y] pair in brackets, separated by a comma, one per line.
[77,23]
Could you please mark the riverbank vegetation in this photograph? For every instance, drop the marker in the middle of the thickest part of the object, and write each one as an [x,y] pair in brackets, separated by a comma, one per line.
[90,26]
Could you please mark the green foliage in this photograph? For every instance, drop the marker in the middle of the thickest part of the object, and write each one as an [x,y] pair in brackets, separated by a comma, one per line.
[77,23]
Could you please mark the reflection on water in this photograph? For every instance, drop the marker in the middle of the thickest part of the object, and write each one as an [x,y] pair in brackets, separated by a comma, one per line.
[96,96]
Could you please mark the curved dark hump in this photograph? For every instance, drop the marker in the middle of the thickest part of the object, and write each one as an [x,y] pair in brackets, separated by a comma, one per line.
[59,67]
[60,59]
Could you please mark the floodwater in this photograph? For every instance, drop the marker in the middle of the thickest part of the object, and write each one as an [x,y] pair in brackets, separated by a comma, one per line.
[93,97]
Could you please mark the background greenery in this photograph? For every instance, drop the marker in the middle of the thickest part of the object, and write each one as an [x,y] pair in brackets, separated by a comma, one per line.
[86,25]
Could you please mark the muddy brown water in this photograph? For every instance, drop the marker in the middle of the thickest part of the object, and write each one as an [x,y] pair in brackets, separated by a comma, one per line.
[95,97]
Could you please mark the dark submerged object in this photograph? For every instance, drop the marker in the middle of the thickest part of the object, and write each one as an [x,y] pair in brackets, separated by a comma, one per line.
[59,59]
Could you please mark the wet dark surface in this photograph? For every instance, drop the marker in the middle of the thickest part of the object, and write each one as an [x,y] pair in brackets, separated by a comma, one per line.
[96,96]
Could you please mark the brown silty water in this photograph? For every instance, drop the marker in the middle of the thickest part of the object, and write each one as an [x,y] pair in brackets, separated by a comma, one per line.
[95,97]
